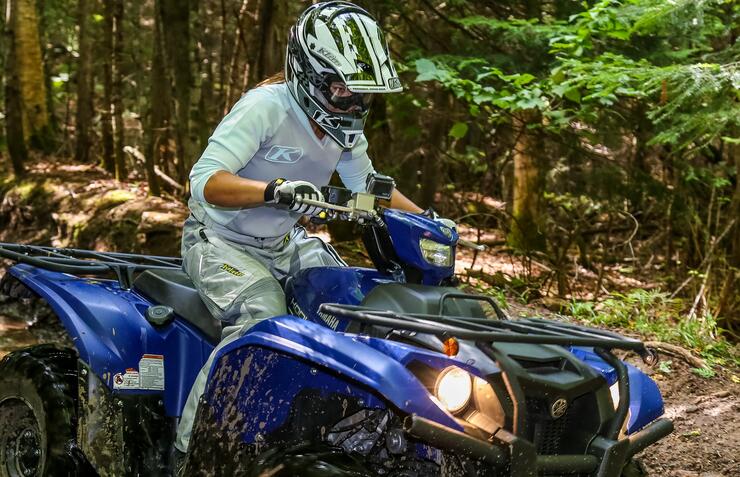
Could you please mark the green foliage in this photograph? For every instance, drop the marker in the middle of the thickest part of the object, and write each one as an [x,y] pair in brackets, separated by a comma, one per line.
[592,69]
[654,314]
[664,366]
[458,130]
[705,373]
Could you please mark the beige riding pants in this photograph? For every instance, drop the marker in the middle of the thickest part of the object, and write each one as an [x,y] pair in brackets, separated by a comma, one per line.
[239,285]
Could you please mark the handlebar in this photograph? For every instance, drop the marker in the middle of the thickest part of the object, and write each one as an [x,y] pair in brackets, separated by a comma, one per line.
[359,211]
[325,205]
[473,245]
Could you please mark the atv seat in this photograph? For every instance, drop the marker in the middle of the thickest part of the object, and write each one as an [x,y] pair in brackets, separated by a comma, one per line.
[174,288]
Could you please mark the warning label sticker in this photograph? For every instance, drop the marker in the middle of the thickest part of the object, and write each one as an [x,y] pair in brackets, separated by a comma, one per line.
[149,376]
[127,380]
[151,372]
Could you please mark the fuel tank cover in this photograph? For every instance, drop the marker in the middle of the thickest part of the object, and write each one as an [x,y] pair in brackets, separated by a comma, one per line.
[160,315]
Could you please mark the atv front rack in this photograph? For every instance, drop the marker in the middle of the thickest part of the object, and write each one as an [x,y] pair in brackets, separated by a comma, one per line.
[529,330]
[87,262]
[485,333]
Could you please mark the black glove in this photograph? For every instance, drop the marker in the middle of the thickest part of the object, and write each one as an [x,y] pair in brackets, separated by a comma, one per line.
[286,193]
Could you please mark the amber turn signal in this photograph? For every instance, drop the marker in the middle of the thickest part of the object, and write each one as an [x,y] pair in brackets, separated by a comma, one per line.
[450,346]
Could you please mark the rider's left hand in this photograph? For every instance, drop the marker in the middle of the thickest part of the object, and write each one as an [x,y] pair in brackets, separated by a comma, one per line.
[289,194]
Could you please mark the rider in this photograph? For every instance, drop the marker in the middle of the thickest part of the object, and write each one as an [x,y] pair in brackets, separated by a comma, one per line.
[279,143]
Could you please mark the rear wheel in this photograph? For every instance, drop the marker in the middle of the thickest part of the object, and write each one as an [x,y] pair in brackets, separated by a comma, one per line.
[38,413]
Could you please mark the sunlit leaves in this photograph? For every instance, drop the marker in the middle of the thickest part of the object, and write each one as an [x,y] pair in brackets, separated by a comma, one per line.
[459,130]
[594,70]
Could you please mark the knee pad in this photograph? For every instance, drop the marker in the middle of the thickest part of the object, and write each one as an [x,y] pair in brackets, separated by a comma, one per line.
[264,299]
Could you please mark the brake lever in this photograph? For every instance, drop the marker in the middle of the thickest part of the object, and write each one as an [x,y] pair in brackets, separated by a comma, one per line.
[473,245]
[324,205]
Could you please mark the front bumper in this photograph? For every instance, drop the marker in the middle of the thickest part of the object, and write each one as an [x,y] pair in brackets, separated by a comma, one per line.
[605,457]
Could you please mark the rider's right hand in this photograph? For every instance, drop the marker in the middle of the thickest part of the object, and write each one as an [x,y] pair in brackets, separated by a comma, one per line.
[288,194]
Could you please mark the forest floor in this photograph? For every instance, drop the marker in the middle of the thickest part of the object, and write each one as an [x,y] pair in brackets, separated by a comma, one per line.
[80,206]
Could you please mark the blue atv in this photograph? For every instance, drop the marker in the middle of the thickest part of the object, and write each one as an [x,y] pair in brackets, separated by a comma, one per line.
[388,371]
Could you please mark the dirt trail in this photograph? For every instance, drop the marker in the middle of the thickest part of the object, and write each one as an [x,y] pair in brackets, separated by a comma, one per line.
[706,415]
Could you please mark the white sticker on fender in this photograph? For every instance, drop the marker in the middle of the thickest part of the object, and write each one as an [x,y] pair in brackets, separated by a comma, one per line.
[150,375]
[151,372]
[127,380]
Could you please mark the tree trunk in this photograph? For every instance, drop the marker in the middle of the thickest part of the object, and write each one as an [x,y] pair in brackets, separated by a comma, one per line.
[48,63]
[159,103]
[83,122]
[245,29]
[223,83]
[265,54]
[120,159]
[728,304]
[30,69]
[207,41]
[13,105]
[433,161]
[275,20]
[735,207]
[176,28]
[106,116]
[379,135]
[403,151]
[527,232]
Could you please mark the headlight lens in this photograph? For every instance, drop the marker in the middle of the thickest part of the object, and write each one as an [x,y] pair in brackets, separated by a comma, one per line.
[453,388]
[436,253]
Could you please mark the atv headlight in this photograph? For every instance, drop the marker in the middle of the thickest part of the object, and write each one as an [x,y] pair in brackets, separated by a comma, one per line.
[436,253]
[453,388]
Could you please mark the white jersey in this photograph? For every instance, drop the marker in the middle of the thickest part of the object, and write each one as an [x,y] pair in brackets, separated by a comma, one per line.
[265,136]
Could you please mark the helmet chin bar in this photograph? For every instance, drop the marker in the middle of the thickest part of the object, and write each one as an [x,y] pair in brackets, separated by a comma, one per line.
[344,129]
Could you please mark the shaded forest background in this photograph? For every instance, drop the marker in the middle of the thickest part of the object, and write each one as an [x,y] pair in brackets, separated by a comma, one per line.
[594,144]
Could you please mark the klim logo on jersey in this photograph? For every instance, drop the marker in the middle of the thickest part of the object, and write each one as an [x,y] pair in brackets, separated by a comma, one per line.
[284,154]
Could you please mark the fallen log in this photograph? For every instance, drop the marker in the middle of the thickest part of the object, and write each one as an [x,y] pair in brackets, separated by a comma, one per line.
[138,156]
[678,352]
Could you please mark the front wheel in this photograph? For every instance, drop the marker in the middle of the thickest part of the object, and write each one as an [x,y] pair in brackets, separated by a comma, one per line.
[634,468]
[37,412]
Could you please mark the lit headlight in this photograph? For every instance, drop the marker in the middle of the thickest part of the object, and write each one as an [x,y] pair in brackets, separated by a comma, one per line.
[454,388]
[436,253]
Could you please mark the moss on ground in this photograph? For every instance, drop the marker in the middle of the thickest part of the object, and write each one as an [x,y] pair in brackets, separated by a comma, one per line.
[113,198]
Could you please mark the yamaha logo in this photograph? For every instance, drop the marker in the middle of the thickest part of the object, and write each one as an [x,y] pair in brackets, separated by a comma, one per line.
[558,408]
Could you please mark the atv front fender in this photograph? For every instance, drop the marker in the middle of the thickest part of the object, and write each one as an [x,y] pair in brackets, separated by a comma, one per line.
[345,355]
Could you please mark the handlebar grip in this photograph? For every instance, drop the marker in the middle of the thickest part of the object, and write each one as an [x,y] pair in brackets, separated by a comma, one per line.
[473,245]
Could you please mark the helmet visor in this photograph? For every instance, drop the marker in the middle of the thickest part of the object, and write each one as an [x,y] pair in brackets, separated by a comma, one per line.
[339,99]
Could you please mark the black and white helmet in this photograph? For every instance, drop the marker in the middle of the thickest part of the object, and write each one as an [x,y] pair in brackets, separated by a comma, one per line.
[337,59]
